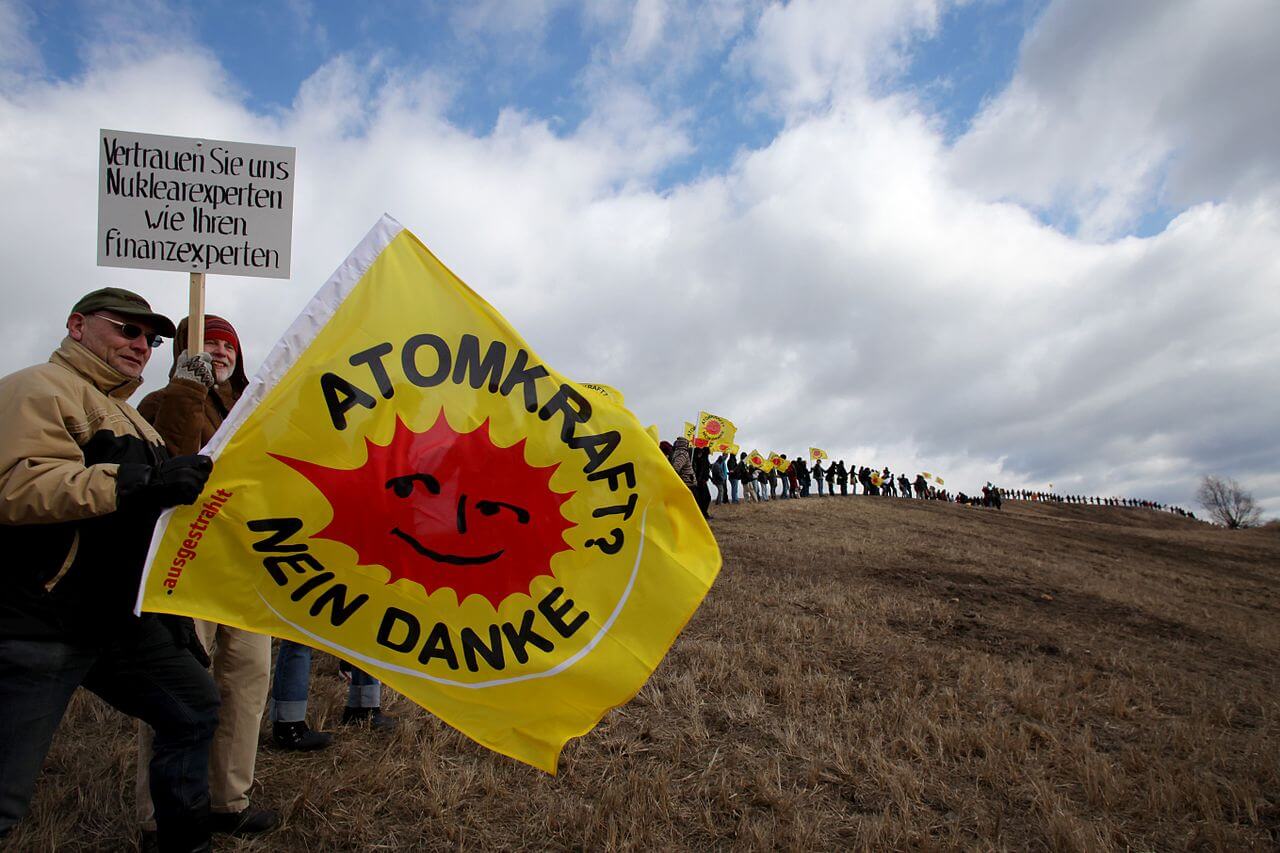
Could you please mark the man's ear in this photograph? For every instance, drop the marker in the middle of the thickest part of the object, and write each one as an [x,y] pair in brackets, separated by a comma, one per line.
[75,326]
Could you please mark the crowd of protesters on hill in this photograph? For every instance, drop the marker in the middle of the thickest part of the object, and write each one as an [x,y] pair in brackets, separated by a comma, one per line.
[737,480]
[1092,500]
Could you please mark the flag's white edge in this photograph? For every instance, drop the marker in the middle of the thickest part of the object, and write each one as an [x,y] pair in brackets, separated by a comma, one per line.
[295,340]
[353,655]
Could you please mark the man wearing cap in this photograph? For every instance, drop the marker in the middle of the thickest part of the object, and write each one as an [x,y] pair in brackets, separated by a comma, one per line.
[82,480]
[201,391]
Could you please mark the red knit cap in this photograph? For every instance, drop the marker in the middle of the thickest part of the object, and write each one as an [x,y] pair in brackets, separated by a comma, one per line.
[218,329]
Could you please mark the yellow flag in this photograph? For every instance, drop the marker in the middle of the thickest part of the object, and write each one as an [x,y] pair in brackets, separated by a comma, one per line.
[940,481]
[652,429]
[713,429]
[407,485]
[613,395]
[777,463]
[689,431]
[816,453]
[756,458]
[926,475]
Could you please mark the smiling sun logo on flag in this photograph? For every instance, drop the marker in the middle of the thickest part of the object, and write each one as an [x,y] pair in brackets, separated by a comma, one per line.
[446,509]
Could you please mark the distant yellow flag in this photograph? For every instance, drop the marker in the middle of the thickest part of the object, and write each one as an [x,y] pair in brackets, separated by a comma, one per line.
[940,481]
[756,458]
[690,430]
[713,429]
[926,475]
[777,462]
[876,479]
[816,453]
[407,485]
[652,429]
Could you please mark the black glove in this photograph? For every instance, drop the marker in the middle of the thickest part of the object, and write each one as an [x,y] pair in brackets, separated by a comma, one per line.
[183,631]
[176,481]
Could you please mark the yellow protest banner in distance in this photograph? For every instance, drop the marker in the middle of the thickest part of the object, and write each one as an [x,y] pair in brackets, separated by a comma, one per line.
[689,431]
[926,475]
[756,458]
[816,453]
[713,429]
[940,481]
[407,485]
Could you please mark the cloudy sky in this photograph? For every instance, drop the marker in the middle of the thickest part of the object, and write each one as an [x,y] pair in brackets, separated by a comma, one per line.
[1032,242]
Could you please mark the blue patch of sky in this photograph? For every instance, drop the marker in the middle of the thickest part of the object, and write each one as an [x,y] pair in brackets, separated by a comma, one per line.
[723,123]
[969,59]
[1154,220]
[56,32]
[269,50]
[722,131]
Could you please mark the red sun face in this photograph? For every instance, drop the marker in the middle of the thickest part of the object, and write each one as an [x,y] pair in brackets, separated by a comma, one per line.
[713,427]
[446,509]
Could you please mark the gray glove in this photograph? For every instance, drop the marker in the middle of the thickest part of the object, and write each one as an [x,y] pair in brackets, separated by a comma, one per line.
[195,368]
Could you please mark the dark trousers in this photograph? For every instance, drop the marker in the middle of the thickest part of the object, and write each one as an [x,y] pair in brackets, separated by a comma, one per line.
[147,677]
[702,495]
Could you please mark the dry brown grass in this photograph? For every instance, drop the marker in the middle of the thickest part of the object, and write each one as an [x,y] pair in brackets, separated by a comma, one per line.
[866,674]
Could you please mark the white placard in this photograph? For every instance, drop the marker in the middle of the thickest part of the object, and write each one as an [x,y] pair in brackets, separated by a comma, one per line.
[194,205]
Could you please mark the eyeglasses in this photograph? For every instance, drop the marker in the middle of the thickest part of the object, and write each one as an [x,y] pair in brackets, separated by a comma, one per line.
[132,331]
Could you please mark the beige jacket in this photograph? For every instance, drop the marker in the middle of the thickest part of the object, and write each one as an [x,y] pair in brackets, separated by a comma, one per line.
[70,449]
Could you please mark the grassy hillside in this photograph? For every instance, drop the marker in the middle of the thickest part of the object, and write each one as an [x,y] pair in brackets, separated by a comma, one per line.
[866,673]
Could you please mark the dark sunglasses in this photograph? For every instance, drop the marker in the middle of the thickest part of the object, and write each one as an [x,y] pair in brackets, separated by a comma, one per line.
[131,331]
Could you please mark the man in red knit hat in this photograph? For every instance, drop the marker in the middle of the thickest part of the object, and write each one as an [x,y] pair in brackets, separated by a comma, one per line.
[201,391]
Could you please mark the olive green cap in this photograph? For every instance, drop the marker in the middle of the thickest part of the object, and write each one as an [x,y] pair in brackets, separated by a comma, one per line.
[125,303]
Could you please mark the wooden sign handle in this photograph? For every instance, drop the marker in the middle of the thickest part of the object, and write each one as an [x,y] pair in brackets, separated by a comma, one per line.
[195,323]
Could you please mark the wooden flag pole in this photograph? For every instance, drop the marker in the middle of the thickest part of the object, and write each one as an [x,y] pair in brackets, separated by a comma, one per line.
[195,325]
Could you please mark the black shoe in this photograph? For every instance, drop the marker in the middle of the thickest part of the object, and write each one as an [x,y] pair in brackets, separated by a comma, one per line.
[373,716]
[149,842]
[298,737]
[245,822]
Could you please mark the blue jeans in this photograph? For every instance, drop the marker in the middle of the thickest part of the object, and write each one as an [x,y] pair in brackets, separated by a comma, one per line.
[292,683]
[733,490]
[144,675]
